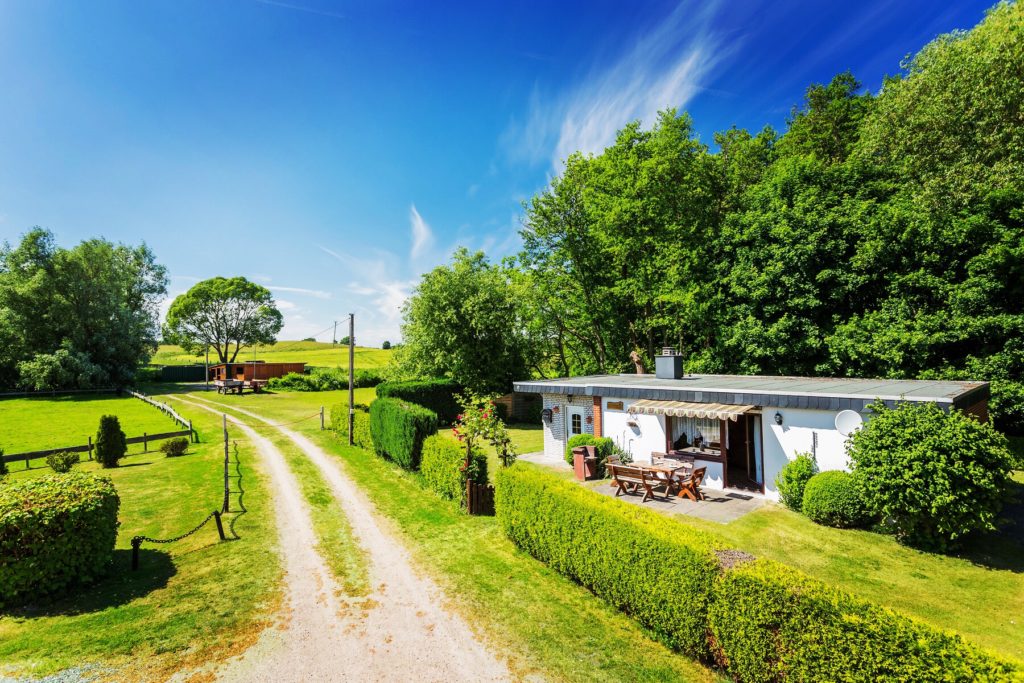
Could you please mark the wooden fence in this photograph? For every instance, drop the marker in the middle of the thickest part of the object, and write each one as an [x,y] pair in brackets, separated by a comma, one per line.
[167,410]
[479,498]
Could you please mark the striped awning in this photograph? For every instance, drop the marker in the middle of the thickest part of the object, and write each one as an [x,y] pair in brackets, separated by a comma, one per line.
[715,411]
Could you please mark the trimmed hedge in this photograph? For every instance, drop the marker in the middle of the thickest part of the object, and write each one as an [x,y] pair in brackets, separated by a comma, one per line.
[439,395]
[398,429]
[772,623]
[604,445]
[56,531]
[442,463]
[174,448]
[759,620]
[325,379]
[833,498]
[659,571]
[361,425]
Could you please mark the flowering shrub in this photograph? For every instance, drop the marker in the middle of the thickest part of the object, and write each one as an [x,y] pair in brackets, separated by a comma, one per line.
[479,422]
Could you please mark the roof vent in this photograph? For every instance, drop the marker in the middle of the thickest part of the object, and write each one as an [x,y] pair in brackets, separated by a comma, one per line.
[669,365]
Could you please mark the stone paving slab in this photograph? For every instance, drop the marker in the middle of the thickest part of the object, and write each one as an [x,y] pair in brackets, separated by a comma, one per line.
[718,506]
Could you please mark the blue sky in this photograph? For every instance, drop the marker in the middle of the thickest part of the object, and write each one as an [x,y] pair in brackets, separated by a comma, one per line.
[334,151]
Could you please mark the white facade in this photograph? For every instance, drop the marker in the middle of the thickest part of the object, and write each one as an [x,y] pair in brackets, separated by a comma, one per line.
[802,431]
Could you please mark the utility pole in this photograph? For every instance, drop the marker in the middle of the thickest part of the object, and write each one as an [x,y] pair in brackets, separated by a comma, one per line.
[207,367]
[351,376]
[335,332]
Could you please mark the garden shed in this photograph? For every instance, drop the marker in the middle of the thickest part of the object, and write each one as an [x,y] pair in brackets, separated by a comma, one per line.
[743,429]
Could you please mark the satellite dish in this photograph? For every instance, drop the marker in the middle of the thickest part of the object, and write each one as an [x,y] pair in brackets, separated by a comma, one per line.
[848,421]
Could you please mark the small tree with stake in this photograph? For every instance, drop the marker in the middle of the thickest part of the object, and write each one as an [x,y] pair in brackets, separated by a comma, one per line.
[111,444]
[479,422]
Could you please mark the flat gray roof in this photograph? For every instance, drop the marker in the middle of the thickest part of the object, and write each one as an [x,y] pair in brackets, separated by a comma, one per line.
[821,393]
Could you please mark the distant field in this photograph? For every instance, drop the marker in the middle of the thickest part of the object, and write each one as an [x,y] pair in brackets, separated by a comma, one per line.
[319,354]
[35,424]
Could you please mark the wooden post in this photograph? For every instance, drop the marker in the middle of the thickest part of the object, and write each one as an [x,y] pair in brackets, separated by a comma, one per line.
[136,542]
[321,418]
[90,448]
[351,376]
[145,443]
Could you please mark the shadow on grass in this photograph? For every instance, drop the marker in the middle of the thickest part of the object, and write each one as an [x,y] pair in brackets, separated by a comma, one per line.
[1003,549]
[119,587]
[241,495]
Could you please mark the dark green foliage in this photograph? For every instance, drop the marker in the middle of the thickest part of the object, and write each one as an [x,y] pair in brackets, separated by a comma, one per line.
[360,421]
[76,318]
[3,465]
[62,462]
[793,478]
[932,476]
[659,571]
[772,623]
[111,443]
[833,498]
[443,467]
[386,345]
[173,448]
[440,395]
[324,379]
[56,531]
[398,429]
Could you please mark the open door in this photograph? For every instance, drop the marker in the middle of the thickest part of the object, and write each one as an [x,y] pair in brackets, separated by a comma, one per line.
[743,454]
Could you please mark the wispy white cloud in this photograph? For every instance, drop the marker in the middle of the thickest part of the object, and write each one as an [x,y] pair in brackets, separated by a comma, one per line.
[666,67]
[318,293]
[422,236]
[300,8]
[285,305]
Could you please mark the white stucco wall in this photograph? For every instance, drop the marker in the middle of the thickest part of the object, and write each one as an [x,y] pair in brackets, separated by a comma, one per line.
[648,434]
[796,435]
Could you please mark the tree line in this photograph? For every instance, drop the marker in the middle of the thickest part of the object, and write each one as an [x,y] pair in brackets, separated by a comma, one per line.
[878,235]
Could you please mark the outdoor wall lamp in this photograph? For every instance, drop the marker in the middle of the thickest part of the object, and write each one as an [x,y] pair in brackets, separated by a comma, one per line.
[778,419]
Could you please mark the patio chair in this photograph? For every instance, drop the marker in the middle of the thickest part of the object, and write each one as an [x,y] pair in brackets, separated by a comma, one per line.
[690,486]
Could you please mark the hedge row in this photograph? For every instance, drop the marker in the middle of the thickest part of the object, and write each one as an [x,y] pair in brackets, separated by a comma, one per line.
[436,394]
[361,425]
[325,379]
[398,428]
[442,463]
[657,570]
[55,531]
[760,620]
[771,623]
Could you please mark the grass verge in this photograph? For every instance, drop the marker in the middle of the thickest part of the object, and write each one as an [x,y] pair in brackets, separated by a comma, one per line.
[190,601]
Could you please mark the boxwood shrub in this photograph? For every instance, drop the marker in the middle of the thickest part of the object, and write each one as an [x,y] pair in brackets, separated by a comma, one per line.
[56,531]
[833,498]
[398,429]
[438,395]
[360,422]
[792,479]
[658,570]
[441,467]
[772,623]
[63,461]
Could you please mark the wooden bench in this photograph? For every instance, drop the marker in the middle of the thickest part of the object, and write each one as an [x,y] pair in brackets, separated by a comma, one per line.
[630,479]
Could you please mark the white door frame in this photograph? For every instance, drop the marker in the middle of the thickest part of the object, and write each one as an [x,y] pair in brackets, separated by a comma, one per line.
[569,412]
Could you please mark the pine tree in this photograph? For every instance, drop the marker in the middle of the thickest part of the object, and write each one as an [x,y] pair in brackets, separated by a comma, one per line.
[111,444]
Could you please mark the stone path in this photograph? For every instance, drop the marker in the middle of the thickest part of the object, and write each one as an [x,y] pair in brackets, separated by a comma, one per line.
[399,632]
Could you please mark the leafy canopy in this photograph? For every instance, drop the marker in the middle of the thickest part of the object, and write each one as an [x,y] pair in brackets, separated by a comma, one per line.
[220,312]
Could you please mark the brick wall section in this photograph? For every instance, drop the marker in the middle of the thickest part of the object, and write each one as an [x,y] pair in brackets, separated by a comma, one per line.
[597,417]
[554,431]
[978,411]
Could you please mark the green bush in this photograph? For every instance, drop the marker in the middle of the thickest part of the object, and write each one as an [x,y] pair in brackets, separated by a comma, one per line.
[1006,406]
[56,531]
[658,570]
[833,498]
[173,448]
[793,478]
[771,623]
[361,422]
[111,444]
[442,467]
[932,477]
[398,429]
[325,379]
[62,462]
[439,395]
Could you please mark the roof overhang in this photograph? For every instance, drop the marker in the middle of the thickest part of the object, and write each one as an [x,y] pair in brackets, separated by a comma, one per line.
[714,411]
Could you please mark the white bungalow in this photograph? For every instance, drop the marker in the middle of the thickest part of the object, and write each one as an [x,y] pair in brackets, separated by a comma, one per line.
[744,429]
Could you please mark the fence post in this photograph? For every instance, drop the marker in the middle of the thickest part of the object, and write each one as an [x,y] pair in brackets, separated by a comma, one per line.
[220,525]
[192,435]
[321,418]
[136,542]
[227,502]
[145,442]
[90,448]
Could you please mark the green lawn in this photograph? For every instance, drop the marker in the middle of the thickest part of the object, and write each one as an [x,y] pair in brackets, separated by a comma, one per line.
[34,424]
[191,601]
[544,623]
[317,354]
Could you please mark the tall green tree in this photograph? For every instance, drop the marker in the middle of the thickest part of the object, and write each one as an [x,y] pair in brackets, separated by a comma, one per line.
[463,322]
[220,312]
[76,317]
